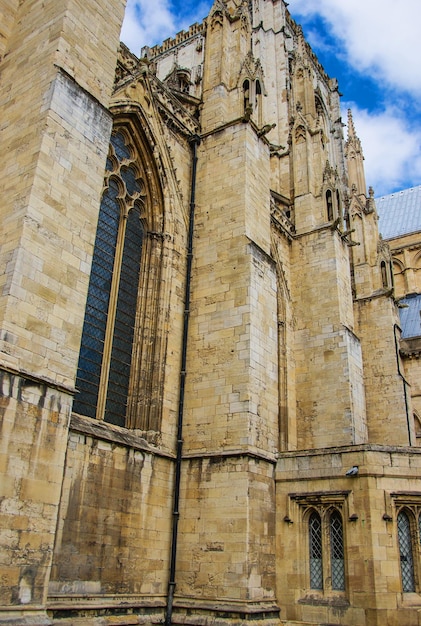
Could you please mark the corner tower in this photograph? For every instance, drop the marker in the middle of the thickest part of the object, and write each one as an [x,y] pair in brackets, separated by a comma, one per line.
[388,413]
[57,77]
[226,552]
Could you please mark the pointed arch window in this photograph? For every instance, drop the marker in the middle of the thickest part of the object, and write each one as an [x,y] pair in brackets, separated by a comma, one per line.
[338,203]
[409,539]
[405,552]
[104,367]
[316,551]
[386,272]
[252,99]
[417,428]
[246,98]
[383,271]
[326,550]
[329,205]
[258,101]
[337,551]
[333,205]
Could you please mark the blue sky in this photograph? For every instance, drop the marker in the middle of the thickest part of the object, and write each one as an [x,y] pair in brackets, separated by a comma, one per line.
[373,47]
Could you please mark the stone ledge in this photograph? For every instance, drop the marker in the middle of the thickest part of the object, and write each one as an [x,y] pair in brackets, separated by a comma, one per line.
[18,616]
[115,434]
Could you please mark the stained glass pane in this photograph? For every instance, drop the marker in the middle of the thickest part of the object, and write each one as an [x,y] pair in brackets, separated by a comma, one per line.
[315,542]
[405,551]
[102,276]
[121,150]
[337,551]
[121,354]
[128,174]
[93,333]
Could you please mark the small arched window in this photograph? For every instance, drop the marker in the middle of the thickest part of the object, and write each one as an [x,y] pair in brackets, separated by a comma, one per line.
[417,428]
[383,270]
[329,205]
[259,102]
[405,552]
[338,203]
[246,96]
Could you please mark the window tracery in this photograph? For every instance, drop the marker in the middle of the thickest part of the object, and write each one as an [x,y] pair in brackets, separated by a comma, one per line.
[107,336]
[114,376]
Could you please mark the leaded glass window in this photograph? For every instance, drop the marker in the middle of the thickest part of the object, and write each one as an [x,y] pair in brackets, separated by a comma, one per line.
[121,353]
[326,549]
[405,552]
[107,336]
[316,554]
[337,552]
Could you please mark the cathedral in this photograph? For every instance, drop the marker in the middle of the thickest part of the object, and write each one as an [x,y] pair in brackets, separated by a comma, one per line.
[210,408]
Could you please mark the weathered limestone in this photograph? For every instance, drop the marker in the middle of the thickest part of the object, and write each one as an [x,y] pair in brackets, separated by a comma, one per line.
[54,140]
[34,422]
[47,144]
[268,452]
[368,500]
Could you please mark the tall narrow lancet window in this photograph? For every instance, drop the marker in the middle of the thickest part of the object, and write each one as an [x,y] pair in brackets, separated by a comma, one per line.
[337,551]
[338,204]
[405,552]
[316,552]
[259,102]
[383,270]
[107,336]
[329,205]
[246,96]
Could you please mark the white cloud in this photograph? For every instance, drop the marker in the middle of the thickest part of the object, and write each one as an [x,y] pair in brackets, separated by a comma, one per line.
[377,37]
[391,148]
[146,23]
[382,36]
[149,22]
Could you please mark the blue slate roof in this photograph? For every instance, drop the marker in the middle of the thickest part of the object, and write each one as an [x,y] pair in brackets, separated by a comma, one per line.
[411,316]
[399,213]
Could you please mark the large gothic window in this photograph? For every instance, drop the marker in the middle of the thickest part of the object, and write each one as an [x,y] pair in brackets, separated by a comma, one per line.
[107,338]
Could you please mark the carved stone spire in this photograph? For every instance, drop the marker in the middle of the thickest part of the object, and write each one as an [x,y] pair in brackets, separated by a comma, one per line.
[352,135]
[355,159]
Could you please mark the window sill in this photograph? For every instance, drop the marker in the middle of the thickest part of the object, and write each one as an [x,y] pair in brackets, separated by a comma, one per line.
[409,600]
[332,598]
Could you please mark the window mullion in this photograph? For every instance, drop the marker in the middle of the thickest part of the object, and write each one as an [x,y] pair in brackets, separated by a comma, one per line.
[112,307]
[327,582]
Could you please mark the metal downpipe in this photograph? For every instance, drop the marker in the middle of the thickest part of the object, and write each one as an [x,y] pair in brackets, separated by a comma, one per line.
[194,141]
[404,381]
